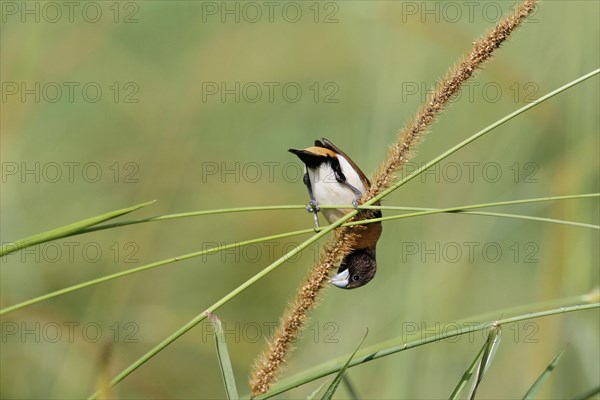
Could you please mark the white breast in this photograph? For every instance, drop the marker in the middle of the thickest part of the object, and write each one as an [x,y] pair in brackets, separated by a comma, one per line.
[328,191]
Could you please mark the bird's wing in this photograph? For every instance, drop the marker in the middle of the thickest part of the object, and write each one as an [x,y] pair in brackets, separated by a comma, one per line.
[328,145]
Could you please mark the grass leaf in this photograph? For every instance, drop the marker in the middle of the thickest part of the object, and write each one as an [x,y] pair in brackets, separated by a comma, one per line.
[314,394]
[338,378]
[537,385]
[224,360]
[489,350]
[467,375]
[66,230]
[352,393]
[457,210]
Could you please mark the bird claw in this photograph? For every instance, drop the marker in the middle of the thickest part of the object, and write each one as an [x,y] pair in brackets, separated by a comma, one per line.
[317,227]
[355,204]
[313,207]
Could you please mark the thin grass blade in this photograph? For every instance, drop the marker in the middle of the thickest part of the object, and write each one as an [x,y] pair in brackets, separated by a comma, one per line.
[338,378]
[537,385]
[352,393]
[346,206]
[467,375]
[314,394]
[66,230]
[489,351]
[224,360]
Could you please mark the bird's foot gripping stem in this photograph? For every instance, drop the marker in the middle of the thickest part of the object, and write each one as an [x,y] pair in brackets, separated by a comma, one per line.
[313,208]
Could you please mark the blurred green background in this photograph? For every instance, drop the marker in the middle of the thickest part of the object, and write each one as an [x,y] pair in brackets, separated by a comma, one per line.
[170,124]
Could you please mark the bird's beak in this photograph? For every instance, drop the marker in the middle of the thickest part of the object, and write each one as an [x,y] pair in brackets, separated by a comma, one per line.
[342,279]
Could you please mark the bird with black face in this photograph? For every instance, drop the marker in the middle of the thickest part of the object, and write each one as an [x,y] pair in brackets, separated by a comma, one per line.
[332,178]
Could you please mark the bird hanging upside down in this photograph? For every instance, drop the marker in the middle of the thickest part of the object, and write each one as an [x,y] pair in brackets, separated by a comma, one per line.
[332,178]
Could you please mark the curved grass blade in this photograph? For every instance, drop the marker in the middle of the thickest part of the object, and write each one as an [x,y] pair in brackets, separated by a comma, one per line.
[190,214]
[464,208]
[224,360]
[338,378]
[489,351]
[467,375]
[537,385]
[66,230]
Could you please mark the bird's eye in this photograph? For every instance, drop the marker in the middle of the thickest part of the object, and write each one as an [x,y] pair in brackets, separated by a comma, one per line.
[356,278]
